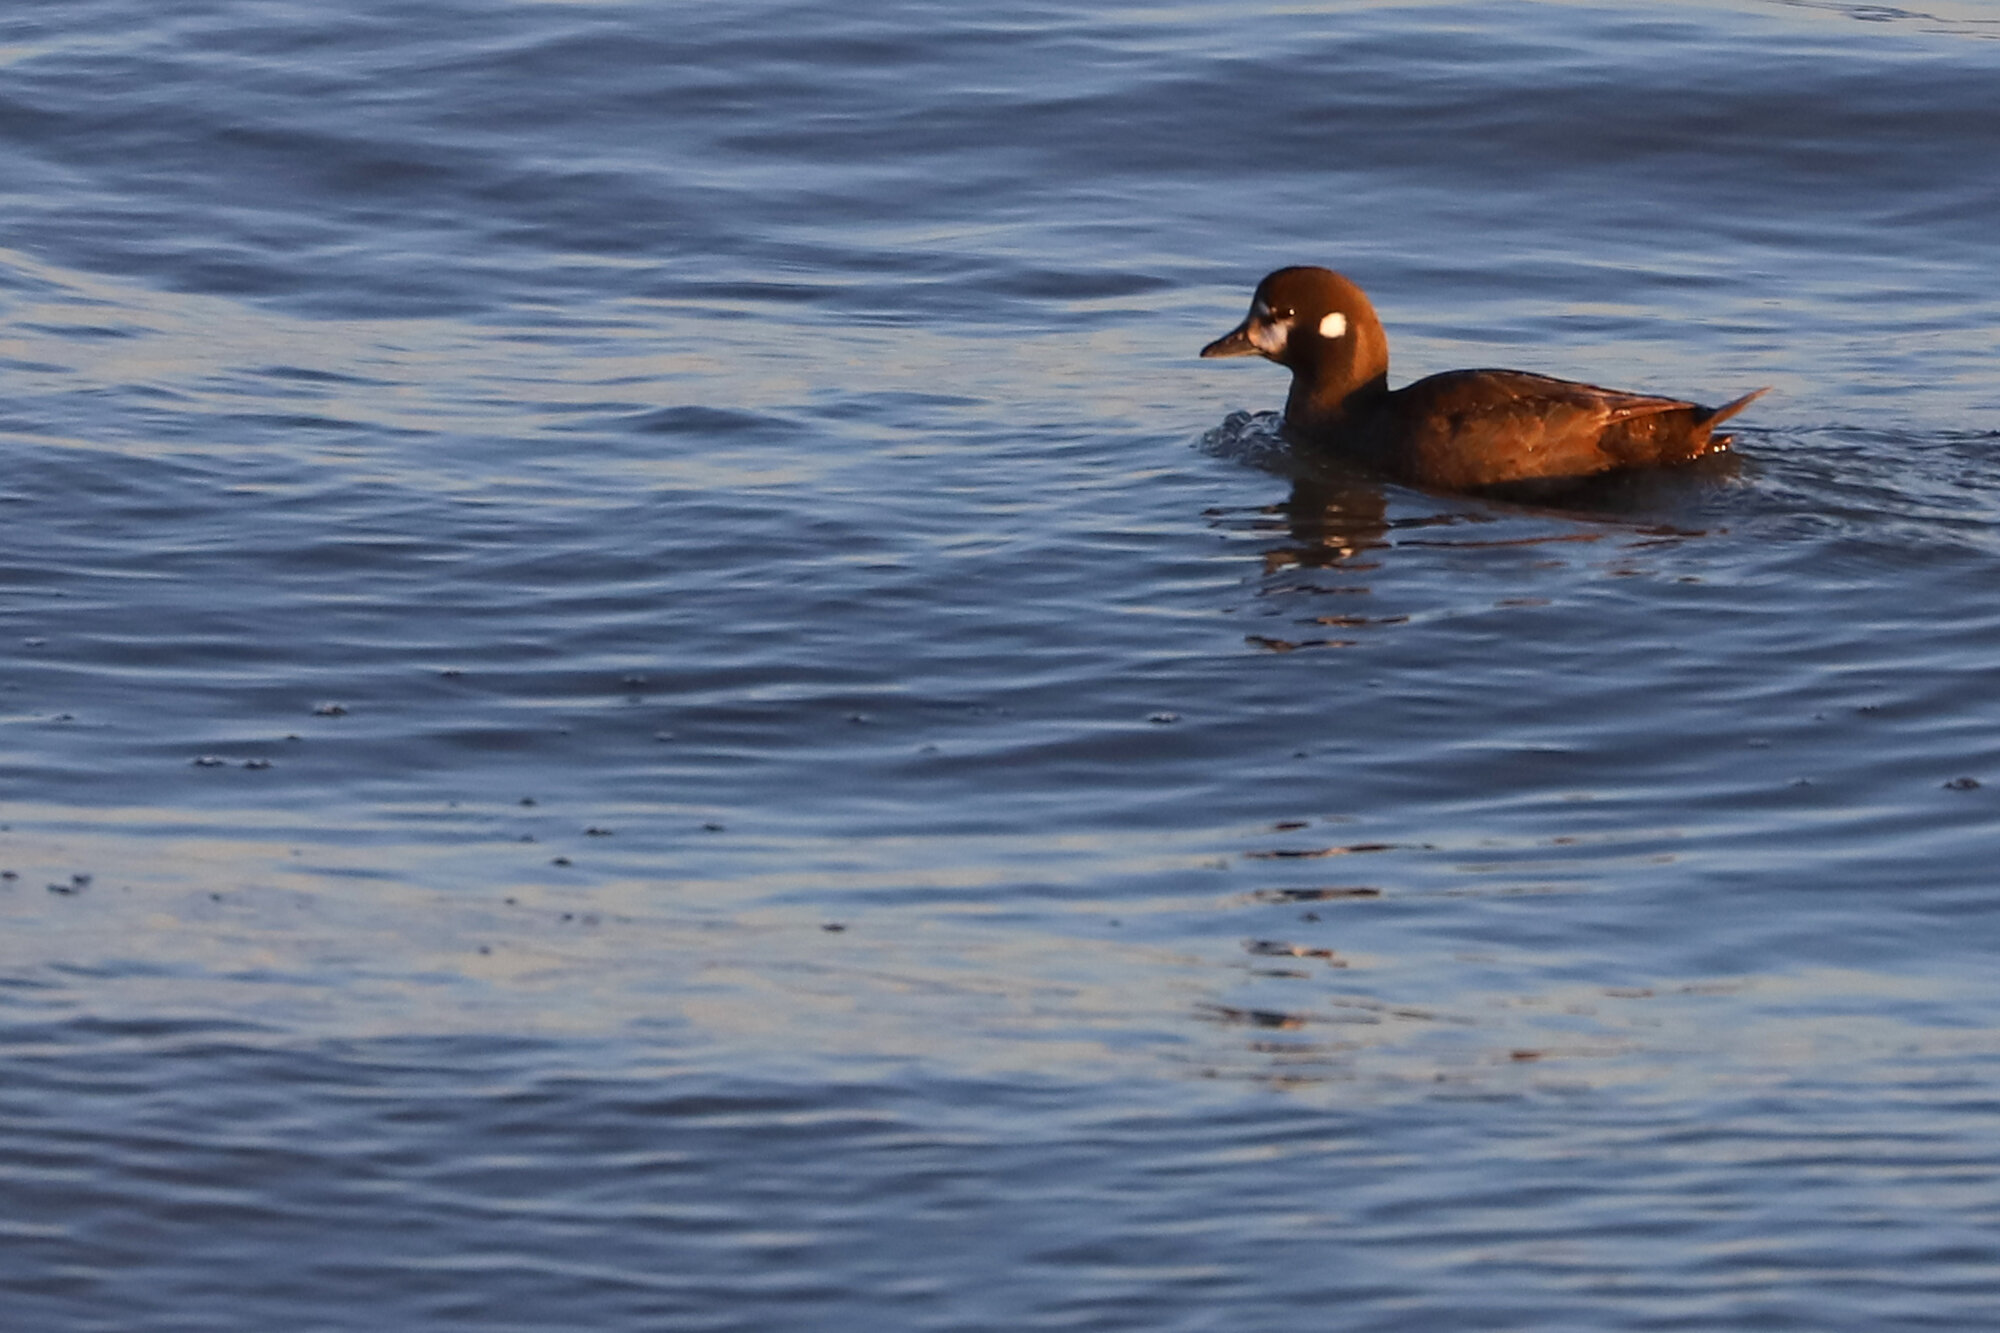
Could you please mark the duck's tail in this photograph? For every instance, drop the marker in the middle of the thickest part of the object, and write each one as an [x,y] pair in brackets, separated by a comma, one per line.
[1717,443]
[1730,409]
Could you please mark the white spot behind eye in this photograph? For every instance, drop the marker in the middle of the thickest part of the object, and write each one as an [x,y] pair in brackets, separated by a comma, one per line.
[1333,325]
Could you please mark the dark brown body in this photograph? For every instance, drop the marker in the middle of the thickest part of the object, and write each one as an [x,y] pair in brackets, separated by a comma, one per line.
[1469,429]
[1462,430]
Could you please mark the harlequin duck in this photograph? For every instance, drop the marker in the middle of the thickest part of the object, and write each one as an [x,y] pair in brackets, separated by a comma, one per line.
[1461,430]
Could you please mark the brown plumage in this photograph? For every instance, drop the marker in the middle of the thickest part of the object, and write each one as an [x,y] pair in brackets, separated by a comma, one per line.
[1464,429]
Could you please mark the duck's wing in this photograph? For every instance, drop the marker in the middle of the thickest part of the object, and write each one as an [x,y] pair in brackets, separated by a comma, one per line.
[1470,428]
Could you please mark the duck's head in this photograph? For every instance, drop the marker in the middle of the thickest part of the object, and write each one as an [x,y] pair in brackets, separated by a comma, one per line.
[1320,326]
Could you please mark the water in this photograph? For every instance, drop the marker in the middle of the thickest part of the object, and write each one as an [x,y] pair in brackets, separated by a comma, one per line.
[644,687]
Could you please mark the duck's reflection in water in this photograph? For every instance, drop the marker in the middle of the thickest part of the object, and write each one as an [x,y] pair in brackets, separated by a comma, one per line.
[1338,517]
[1331,520]
[1310,978]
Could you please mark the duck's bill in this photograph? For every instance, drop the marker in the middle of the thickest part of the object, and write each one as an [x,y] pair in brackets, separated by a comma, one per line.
[1236,342]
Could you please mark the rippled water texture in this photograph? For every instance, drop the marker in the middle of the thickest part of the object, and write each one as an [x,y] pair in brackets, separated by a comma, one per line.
[645,688]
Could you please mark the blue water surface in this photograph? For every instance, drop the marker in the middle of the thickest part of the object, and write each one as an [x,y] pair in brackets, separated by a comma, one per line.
[642,686]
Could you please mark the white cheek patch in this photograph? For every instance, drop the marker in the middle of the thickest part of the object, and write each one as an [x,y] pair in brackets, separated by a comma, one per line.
[1270,338]
[1333,325]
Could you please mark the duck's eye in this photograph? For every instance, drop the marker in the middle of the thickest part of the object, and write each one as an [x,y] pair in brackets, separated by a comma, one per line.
[1281,315]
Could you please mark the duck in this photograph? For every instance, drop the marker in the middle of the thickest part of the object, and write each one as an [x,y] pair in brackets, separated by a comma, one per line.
[1461,430]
